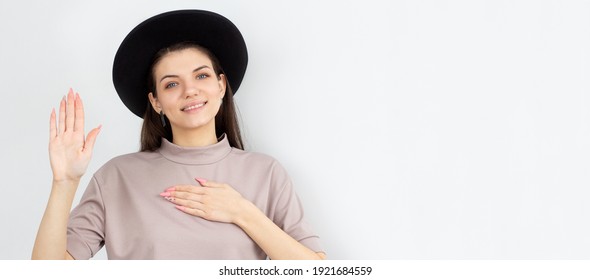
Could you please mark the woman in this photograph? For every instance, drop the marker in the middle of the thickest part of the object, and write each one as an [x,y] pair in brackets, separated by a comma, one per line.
[191,192]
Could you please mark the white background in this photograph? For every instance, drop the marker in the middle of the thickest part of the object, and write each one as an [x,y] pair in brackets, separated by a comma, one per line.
[412,129]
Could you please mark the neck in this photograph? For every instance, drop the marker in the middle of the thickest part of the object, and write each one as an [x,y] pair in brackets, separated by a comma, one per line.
[195,137]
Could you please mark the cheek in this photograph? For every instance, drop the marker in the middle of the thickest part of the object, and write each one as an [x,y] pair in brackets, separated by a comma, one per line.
[213,90]
[167,101]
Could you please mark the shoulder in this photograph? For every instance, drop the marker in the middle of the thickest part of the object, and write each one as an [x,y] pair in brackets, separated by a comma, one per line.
[259,163]
[253,158]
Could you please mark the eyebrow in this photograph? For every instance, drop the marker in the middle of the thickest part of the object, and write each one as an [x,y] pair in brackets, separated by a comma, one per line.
[176,76]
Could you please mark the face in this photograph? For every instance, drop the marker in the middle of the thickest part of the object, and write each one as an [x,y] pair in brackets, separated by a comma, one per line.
[188,90]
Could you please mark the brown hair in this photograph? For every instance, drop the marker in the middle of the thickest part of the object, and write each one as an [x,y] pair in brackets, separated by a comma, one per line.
[226,120]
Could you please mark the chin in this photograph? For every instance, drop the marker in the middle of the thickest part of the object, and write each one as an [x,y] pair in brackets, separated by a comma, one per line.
[196,124]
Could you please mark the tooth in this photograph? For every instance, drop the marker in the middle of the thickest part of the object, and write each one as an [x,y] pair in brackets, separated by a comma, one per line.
[194,106]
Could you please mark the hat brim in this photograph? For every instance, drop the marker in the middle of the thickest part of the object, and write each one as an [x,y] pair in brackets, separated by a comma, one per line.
[207,29]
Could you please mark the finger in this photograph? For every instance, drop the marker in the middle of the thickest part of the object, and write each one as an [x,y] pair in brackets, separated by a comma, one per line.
[91,139]
[186,195]
[186,203]
[70,111]
[79,112]
[52,125]
[186,188]
[62,115]
[211,184]
[192,211]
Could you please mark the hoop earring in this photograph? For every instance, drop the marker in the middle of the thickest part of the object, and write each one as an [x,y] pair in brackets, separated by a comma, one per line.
[162,118]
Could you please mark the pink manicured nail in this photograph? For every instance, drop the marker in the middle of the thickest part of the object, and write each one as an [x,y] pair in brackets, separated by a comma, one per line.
[170,189]
[165,194]
[201,181]
[179,207]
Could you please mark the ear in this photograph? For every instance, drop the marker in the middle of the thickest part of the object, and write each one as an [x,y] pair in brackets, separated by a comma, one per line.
[155,103]
[222,84]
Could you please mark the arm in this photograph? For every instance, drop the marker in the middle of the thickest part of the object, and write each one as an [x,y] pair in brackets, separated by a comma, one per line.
[220,202]
[69,155]
[277,244]
[51,237]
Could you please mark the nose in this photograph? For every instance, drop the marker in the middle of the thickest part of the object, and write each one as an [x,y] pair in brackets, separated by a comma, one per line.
[191,89]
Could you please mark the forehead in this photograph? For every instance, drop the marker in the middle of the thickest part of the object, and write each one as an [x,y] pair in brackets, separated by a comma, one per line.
[178,62]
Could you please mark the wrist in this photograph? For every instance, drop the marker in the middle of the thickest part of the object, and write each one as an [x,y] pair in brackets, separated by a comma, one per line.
[64,190]
[65,183]
[65,179]
[247,210]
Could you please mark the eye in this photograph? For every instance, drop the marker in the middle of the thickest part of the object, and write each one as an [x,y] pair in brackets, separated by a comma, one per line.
[171,85]
[202,76]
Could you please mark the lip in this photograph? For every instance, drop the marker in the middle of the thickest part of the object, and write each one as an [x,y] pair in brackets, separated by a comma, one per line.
[194,103]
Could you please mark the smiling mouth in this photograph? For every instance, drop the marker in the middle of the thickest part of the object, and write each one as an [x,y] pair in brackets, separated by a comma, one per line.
[192,107]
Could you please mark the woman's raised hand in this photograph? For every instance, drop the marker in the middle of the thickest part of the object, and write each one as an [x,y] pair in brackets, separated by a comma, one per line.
[69,151]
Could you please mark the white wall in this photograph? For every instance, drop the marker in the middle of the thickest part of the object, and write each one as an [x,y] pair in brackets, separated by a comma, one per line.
[412,129]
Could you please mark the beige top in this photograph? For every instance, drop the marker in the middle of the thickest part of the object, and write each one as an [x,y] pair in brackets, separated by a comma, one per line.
[122,209]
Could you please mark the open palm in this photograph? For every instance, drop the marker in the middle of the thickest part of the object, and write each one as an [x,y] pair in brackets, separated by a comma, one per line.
[69,150]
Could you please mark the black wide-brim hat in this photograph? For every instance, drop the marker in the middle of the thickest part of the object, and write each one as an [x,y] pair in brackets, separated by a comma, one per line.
[207,29]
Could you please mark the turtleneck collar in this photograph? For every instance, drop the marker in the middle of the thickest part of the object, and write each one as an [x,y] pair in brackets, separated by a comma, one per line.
[195,155]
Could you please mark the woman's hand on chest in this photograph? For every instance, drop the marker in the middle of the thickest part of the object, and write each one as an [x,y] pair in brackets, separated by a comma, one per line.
[211,200]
